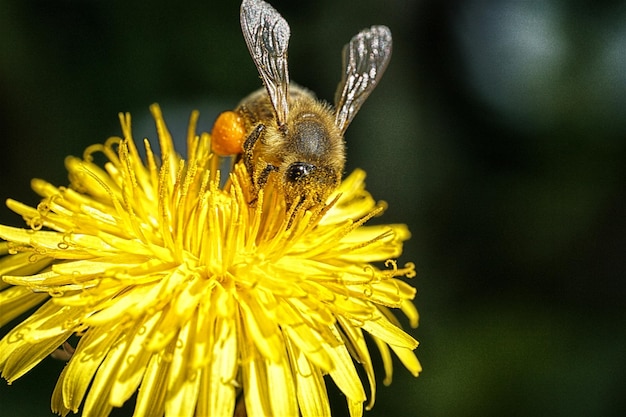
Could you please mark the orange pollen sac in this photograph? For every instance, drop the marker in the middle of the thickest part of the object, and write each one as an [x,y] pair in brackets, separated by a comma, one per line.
[228,134]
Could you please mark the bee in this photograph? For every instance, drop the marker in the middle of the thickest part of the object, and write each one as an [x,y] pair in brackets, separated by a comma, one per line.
[283,130]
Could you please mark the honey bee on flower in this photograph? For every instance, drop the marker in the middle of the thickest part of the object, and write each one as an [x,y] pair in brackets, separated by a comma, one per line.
[282,130]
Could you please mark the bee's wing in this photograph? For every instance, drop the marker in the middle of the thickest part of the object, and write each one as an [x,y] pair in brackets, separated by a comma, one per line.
[267,36]
[364,60]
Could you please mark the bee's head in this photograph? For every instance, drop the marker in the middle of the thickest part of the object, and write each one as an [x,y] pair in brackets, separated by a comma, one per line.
[308,183]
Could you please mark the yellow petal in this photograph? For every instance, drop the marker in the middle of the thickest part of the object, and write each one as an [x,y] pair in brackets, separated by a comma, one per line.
[311,389]
[281,386]
[131,369]
[97,403]
[385,355]
[408,359]
[380,327]
[151,398]
[256,393]
[263,330]
[221,371]
[183,381]
[356,408]
[345,376]
[14,301]
[77,375]
[23,263]
[361,354]
[34,339]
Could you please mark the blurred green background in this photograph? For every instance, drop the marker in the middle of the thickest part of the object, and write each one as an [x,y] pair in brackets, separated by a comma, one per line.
[497,133]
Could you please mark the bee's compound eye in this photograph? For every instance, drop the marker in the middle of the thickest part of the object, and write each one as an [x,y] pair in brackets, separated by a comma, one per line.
[228,134]
[297,171]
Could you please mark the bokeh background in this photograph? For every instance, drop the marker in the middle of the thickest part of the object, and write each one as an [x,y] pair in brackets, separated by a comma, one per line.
[498,134]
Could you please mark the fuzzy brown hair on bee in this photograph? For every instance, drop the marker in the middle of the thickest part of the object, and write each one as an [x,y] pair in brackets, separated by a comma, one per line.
[283,131]
[307,152]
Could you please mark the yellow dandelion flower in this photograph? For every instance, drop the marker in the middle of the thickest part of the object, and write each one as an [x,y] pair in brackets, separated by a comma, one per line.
[182,291]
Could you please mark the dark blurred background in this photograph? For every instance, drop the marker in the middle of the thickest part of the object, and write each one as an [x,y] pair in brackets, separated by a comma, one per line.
[498,134]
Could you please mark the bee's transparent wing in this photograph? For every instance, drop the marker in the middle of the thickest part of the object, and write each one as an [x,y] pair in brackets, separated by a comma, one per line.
[364,60]
[267,36]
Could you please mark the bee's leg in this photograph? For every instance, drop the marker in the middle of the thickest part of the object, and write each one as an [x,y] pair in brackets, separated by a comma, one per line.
[248,146]
[264,175]
[64,353]
[260,181]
